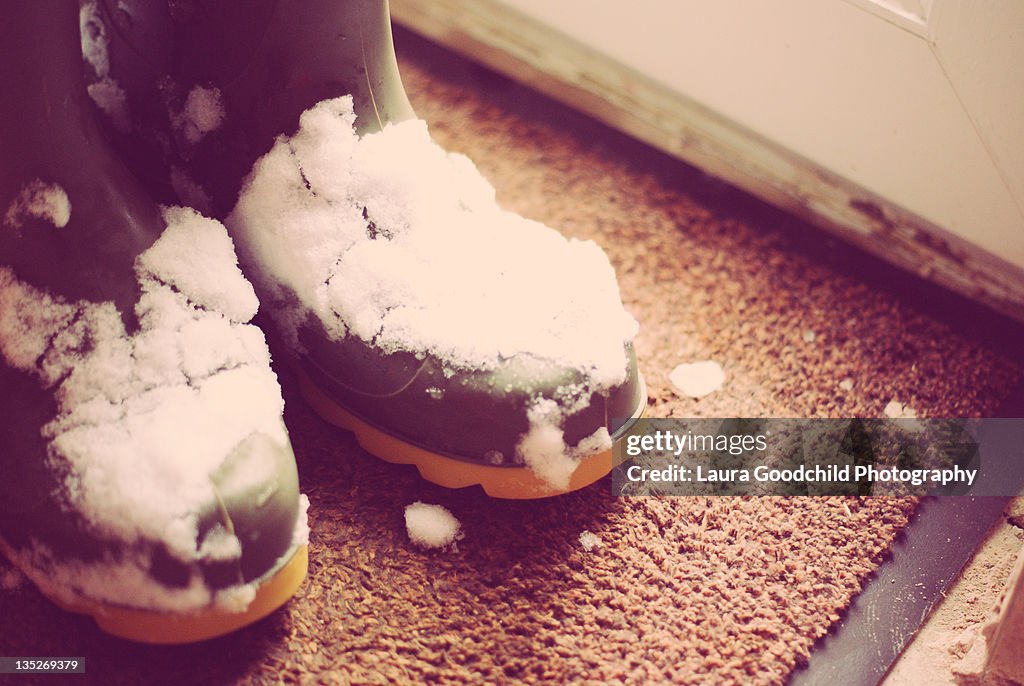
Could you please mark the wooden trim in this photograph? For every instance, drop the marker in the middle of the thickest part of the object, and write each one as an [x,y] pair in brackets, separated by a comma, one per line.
[528,51]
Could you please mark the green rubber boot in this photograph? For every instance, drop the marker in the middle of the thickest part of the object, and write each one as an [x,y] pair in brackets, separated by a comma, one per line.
[477,345]
[147,476]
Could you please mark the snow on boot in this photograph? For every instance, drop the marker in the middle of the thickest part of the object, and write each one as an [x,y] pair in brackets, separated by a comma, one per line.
[148,479]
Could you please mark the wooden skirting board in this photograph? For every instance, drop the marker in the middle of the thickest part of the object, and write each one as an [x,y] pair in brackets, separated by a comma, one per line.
[518,45]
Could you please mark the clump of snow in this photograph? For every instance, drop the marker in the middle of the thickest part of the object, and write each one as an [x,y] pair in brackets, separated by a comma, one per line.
[589,540]
[597,442]
[495,457]
[28,320]
[103,90]
[144,419]
[220,545]
[897,410]
[39,200]
[300,536]
[235,598]
[543,447]
[846,384]
[809,336]
[431,526]
[697,379]
[93,33]
[208,274]
[202,113]
[112,101]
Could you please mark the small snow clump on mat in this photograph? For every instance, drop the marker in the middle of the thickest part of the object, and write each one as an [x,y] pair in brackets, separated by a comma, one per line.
[697,379]
[431,526]
[589,540]
[390,239]
[897,410]
[145,418]
[46,201]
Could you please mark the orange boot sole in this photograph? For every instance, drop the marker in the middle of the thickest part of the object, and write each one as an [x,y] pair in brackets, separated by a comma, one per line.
[512,483]
[148,626]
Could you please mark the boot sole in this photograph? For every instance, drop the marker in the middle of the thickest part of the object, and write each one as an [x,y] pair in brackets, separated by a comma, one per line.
[510,483]
[148,626]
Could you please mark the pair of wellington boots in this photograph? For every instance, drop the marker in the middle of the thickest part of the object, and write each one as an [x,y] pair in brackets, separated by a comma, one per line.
[148,478]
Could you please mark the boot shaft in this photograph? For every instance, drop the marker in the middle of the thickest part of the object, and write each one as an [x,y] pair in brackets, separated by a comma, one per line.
[262,62]
[48,137]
